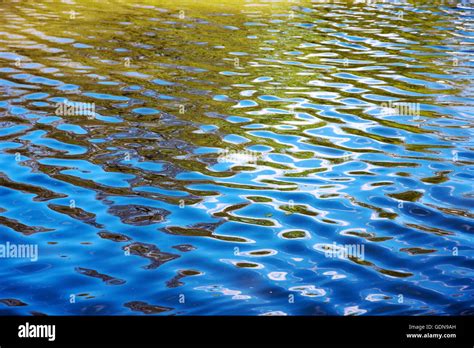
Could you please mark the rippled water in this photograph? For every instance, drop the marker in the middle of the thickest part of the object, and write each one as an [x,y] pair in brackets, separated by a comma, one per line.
[232,145]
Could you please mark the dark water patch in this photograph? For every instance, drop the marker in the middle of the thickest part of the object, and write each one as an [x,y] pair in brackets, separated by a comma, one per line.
[247,265]
[115,237]
[430,229]
[184,247]
[438,179]
[150,252]
[417,251]
[408,196]
[12,302]
[27,230]
[452,211]
[294,235]
[42,194]
[176,281]
[201,232]
[382,183]
[109,280]
[138,215]
[298,209]
[145,308]
[259,199]
[226,213]
[76,213]
[370,236]
[380,211]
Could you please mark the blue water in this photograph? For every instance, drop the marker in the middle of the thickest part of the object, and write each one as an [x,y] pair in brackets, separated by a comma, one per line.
[230,146]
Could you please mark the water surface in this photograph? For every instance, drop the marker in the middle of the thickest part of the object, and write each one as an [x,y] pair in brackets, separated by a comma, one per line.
[232,144]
